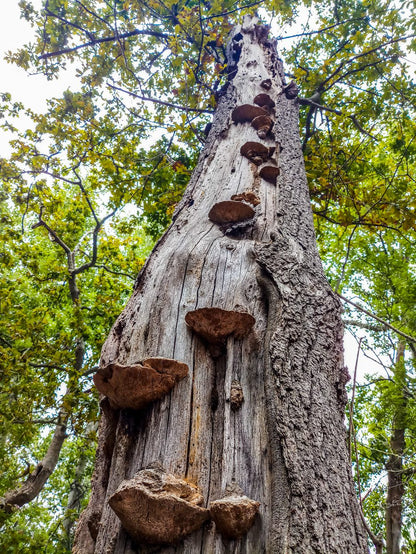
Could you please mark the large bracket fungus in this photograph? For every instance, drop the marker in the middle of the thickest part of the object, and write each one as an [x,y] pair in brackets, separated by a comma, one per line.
[137,385]
[264,101]
[156,507]
[234,515]
[269,173]
[214,324]
[230,211]
[256,152]
[263,125]
[246,113]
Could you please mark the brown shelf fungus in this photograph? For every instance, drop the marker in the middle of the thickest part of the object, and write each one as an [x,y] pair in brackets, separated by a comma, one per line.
[246,113]
[158,508]
[137,385]
[256,152]
[264,101]
[269,173]
[214,325]
[266,84]
[263,125]
[230,211]
[249,196]
[234,515]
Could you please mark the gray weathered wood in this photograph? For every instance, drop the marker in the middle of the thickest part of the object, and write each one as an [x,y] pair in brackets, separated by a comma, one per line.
[286,445]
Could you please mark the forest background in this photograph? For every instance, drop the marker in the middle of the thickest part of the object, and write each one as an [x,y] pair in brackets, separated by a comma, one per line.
[90,183]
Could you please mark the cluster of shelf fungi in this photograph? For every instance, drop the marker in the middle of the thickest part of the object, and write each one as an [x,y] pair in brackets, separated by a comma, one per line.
[155,507]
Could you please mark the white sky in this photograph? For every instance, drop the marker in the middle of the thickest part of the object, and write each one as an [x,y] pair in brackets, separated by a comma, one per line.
[34,90]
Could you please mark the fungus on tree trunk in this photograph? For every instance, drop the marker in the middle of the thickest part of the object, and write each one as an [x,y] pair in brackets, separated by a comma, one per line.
[158,508]
[246,113]
[234,515]
[263,125]
[248,196]
[230,211]
[269,173]
[137,385]
[264,101]
[256,152]
[285,446]
[214,325]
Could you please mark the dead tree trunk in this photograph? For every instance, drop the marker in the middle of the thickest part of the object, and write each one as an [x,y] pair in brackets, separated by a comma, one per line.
[259,417]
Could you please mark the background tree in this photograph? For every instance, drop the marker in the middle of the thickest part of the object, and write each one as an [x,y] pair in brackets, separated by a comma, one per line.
[351,62]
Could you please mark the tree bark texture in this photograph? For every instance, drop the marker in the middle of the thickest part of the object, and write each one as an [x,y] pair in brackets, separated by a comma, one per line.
[285,447]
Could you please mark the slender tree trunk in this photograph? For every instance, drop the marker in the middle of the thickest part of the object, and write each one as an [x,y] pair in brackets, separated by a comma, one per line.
[285,445]
[395,488]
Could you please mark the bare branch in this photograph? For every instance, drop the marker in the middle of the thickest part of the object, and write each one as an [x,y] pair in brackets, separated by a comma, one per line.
[363,325]
[115,272]
[52,233]
[405,335]
[93,260]
[161,102]
[309,33]
[36,480]
[112,38]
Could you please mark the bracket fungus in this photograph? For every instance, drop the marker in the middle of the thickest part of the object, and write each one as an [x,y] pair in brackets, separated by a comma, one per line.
[137,385]
[263,125]
[230,211]
[266,84]
[269,173]
[256,152]
[264,101]
[234,515]
[246,113]
[215,325]
[249,196]
[156,507]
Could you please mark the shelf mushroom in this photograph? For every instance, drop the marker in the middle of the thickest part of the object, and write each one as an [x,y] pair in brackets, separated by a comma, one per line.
[256,152]
[248,196]
[156,507]
[135,386]
[269,173]
[214,325]
[263,125]
[264,101]
[230,211]
[246,113]
[234,515]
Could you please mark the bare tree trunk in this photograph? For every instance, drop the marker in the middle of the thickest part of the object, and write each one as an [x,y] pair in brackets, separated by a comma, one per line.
[394,466]
[284,445]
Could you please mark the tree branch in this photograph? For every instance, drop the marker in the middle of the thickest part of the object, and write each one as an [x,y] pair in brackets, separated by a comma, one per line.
[405,335]
[30,489]
[161,102]
[53,234]
[112,38]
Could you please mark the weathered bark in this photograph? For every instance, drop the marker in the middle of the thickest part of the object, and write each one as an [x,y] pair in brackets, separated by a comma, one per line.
[284,445]
[394,466]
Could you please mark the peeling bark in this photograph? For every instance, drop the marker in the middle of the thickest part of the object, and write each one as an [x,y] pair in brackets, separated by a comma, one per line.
[285,446]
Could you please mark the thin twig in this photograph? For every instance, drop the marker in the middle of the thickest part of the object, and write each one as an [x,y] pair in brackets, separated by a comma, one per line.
[101,40]
[161,102]
[405,335]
